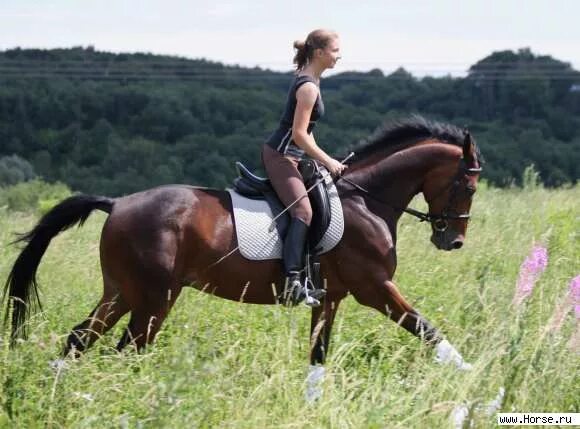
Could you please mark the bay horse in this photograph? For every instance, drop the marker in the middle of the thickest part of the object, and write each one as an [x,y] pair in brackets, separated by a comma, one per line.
[155,242]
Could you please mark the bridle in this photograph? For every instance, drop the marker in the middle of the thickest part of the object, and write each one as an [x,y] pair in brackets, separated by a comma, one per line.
[439,221]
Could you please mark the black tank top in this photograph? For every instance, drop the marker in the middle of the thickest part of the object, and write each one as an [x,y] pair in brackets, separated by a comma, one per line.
[281,139]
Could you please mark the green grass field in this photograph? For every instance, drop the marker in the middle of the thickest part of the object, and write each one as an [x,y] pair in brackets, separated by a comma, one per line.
[228,365]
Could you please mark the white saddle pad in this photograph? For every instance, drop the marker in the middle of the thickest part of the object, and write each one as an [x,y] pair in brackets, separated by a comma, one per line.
[253,219]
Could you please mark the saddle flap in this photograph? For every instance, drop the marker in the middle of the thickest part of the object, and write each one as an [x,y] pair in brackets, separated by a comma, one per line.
[312,172]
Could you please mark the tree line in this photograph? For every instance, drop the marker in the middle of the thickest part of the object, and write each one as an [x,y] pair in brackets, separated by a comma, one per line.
[117,123]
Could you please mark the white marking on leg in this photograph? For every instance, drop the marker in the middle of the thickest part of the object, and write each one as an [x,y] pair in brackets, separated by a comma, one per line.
[314,382]
[446,354]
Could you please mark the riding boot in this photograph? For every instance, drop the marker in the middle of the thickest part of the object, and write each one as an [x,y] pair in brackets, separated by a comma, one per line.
[295,291]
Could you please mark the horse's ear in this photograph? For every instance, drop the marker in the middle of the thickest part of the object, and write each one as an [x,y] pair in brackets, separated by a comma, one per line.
[468,148]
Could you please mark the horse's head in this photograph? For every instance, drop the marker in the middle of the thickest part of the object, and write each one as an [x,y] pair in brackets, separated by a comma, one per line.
[449,191]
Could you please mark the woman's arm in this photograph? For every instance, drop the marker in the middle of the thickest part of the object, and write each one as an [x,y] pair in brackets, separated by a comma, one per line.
[305,99]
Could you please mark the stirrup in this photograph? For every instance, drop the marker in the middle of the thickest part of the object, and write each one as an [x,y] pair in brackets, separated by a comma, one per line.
[312,296]
[295,292]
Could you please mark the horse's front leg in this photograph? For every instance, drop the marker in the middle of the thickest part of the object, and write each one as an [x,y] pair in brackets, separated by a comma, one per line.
[320,328]
[386,298]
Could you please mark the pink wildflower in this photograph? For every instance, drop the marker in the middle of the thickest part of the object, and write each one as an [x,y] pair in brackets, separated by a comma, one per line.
[574,342]
[530,270]
[575,295]
[572,300]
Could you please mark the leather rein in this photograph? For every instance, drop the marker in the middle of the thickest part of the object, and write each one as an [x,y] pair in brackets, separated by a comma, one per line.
[439,221]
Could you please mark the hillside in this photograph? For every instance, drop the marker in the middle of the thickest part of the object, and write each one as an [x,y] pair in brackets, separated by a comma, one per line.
[116,123]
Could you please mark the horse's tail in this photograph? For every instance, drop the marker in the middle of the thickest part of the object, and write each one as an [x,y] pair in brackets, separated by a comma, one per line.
[21,282]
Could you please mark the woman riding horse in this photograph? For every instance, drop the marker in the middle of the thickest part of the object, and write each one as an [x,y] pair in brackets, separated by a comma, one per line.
[287,145]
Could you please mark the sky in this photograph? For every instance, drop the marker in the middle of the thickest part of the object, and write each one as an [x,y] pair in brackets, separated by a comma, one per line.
[436,37]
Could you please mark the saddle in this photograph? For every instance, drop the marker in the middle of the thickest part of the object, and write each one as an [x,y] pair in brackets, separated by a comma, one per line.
[259,188]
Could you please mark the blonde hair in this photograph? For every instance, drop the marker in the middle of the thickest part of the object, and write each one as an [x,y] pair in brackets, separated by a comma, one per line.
[317,39]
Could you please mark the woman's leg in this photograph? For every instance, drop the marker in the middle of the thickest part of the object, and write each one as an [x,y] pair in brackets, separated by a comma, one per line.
[288,184]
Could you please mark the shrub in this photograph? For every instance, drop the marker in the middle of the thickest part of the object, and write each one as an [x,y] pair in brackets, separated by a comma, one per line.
[34,195]
[531,178]
[14,169]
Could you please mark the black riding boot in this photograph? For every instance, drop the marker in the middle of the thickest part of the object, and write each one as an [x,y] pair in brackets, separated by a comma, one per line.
[294,244]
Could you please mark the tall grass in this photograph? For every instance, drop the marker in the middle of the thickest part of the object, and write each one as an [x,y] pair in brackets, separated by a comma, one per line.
[223,364]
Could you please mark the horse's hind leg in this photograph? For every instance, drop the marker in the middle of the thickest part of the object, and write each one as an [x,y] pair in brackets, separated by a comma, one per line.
[146,320]
[108,311]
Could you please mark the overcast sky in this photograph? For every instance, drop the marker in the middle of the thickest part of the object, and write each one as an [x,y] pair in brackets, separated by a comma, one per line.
[426,37]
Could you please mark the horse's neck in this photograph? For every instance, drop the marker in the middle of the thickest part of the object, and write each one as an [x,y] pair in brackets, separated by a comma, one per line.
[398,177]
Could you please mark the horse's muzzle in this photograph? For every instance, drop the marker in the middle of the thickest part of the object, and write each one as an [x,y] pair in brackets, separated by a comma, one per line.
[443,241]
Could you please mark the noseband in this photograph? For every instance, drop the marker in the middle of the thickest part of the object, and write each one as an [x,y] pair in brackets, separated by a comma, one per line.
[439,221]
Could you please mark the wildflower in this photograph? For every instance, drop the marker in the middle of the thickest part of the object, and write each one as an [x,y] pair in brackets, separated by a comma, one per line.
[572,300]
[530,270]
[574,342]
[574,294]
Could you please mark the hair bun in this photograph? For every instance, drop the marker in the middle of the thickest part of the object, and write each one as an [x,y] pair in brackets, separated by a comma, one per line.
[317,39]
[299,44]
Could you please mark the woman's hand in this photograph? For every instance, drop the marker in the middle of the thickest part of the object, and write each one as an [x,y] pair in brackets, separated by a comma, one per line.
[335,167]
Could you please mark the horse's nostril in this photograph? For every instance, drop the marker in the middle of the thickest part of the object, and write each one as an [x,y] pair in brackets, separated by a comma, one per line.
[457,244]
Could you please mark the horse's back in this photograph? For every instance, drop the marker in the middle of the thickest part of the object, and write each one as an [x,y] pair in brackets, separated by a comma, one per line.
[161,224]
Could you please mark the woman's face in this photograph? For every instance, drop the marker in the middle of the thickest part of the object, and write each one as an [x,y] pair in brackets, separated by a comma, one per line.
[330,54]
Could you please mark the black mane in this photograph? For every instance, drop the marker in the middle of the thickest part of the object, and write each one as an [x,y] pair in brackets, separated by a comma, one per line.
[409,130]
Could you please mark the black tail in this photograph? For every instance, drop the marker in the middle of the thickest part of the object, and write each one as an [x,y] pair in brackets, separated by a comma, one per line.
[21,282]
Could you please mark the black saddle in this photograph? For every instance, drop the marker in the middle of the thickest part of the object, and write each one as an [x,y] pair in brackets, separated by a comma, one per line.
[260,188]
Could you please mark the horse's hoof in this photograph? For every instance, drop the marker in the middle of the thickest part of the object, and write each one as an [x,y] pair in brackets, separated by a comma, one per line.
[447,354]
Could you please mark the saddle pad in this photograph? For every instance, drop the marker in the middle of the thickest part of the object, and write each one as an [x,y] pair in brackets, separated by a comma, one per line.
[253,218]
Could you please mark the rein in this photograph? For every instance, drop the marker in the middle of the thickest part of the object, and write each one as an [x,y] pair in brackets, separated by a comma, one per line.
[439,221]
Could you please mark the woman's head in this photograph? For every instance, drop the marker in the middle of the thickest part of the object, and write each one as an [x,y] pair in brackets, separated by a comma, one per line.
[320,46]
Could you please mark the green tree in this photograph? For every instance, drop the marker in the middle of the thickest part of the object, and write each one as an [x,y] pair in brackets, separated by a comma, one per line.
[14,169]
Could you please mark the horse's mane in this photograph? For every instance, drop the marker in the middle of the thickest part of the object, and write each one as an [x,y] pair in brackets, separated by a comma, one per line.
[406,132]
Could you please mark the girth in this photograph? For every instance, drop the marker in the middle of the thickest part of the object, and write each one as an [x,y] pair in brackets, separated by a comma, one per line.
[259,188]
